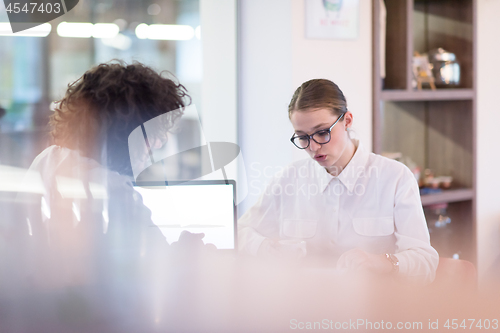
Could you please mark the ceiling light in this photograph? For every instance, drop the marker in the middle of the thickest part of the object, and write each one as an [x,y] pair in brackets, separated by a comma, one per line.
[105,30]
[76,30]
[41,30]
[87,30]
[141,31]
[170,32]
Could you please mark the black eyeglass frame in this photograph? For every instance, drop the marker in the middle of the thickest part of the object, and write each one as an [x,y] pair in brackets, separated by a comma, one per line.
[310,137]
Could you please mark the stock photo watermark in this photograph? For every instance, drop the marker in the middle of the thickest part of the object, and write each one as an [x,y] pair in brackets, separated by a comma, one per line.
[365,324]
[307,182]
[26,14]
[257,170]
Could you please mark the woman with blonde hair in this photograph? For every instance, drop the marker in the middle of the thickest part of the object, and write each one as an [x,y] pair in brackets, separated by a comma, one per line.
[354,208]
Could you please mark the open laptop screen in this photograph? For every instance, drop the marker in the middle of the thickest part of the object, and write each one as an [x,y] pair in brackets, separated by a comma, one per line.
[194,206]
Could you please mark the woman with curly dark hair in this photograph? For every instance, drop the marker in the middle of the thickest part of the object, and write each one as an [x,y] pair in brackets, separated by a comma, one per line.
[91,238]
[91,126]
[102,108]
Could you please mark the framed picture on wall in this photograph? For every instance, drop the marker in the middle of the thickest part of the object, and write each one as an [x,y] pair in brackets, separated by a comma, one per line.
[332,19]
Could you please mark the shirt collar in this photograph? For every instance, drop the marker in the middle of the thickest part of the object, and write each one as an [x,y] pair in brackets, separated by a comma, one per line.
[323,177]
[350,174]
[356,167]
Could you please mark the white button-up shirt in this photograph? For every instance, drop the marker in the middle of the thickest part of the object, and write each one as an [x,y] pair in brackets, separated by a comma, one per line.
[374,204]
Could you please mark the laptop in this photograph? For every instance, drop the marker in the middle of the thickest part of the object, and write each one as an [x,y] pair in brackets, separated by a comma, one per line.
[197,206]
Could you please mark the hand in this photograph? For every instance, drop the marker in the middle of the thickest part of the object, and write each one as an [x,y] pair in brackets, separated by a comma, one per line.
[359,260]
[190,241]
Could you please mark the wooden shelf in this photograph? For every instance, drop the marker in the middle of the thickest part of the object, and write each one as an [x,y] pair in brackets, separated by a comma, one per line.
[435,128]
[427,95]
[448,196]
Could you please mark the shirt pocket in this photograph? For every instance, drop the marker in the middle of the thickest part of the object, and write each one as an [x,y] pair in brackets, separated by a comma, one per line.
[380,226]
[299,228]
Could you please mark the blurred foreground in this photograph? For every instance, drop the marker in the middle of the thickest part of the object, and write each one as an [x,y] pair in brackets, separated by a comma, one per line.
[209,291]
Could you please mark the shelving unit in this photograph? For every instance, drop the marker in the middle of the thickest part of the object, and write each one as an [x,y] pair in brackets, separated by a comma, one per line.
[427,95]
[448,196]
[435,128]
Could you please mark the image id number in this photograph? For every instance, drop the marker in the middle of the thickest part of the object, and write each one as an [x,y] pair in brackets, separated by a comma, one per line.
[471,324]
[33,7]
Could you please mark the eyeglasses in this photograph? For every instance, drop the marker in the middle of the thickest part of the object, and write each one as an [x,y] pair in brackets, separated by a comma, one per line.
[320,137]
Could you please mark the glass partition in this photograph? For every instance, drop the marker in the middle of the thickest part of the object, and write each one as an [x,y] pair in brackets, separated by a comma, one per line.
[36,71]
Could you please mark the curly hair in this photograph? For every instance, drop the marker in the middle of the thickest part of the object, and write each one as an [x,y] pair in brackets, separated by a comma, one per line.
[107,103]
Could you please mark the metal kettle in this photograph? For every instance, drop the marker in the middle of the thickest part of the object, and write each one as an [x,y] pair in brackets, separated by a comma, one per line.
[446,69]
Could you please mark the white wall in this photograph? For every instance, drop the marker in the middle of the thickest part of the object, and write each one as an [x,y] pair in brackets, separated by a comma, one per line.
[275,58]
[488,135]
[219,92]
[265,82]
[348,63]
